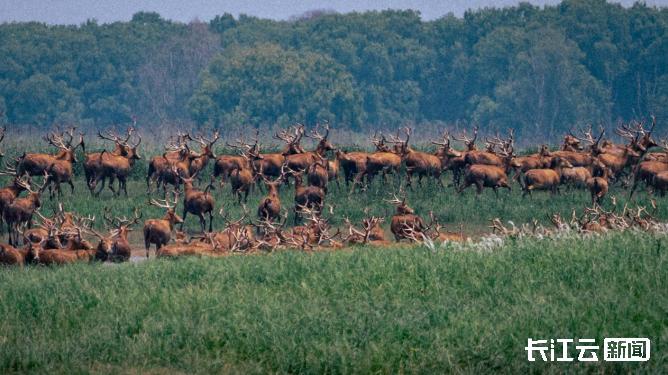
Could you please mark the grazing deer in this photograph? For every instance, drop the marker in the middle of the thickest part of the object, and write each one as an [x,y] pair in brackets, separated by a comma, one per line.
[197,202]
[117,166]
[37,164]
[545,179]
[20,211]
[159,231]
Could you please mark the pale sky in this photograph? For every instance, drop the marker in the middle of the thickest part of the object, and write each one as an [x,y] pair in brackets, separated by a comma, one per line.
[78,11]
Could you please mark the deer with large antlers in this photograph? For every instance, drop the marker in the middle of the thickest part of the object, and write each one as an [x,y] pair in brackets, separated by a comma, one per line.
[582,159]
[10,192]
[317,173]
[115,246]
[417,162]
[270,206]
[20,211]
[301,161]
[37,164]
[177,154]
[159,231]
[225,164]
[311,197]
[405,224]
[116,167]
[197,202]
[370,232]
[92,166]
[206,153]
[382,161]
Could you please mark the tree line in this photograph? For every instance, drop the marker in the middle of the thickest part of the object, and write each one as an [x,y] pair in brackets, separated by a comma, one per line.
[539,70]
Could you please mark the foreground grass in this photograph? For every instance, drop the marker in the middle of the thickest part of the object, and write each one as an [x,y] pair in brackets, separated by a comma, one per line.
[360,311]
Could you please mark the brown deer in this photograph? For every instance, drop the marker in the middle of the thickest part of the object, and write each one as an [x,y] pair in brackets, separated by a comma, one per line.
[159,231]
[160,167]
[311,197]
[405,224]
[301,161]
[270,206]
[37,164]
[92,165]
[370,233]
[226,163]
[317,173]
[10,256]
[10,192]
[353,165]
[116,167]
[421,163]
[197,202]
[40,255]
[545,179]
[482,175]
[115,247]
[20,211]
[598,184]
[206,153]
[382,161]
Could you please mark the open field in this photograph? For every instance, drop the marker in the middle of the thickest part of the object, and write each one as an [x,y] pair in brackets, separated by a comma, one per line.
[360,311]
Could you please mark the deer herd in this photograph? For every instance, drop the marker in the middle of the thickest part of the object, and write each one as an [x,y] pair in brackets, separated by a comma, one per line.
[585,160]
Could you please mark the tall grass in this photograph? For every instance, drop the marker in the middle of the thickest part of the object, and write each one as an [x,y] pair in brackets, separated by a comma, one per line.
[362,311]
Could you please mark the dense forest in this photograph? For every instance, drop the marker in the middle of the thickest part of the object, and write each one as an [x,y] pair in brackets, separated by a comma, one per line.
[538,70]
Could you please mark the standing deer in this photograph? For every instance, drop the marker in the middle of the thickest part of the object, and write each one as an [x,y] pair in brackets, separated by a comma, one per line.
[159,231]
[197,202]
[301,161]
[206,153]
[545,179]
[20,211]
[92,166]
[37,164]
[117,167]
[417,162]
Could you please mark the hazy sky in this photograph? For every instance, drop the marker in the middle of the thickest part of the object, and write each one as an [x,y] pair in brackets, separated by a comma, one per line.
[78,11]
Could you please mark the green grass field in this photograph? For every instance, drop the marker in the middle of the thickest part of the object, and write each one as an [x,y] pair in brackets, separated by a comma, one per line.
[365,310]
[360,310]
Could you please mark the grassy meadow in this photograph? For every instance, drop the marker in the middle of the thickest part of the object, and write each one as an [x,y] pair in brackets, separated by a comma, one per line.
[362,310]
[407,310]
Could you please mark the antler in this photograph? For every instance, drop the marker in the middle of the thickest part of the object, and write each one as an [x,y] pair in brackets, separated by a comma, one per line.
[316,135]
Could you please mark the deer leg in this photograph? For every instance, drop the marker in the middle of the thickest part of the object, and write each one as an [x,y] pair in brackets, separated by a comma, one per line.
[202,221]
[210,221]
[123,181]
[185,212]
[496,191]
[103,180]
[478,186]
